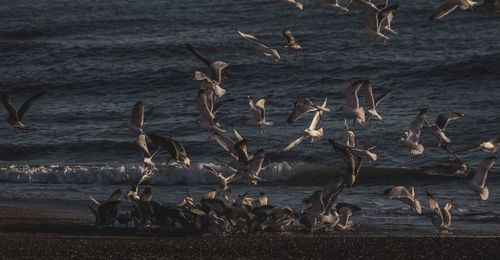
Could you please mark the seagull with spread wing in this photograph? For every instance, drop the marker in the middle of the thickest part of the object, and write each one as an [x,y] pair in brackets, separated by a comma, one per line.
[138,118]
[15,118]
[292,43]
[311,130]
[353,110]
[406,196]
[442,215]
[258,111]
[270,52]
[411,138]
[174,148]
[303,106]
[351,159]
[334,5]
[215,68]
[478,183]
[449,5]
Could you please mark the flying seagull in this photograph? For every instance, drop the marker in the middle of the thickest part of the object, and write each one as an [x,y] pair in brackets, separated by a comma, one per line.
[387,14]
[449,5]
[138,118]
[455,167]
[303,106]
[258,111]
[15,118]
[334,5]
[293,4]
[292,43]
[478,183]
[351,159]
[174,148]
[208,84]
[223,181]
[311,130]
[411,138]
[215,68]
[270,52]
[406,196]
[147,156]
[373,25]
[442,215]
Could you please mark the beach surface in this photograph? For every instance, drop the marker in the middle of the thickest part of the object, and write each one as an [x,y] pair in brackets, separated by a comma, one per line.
[45,230]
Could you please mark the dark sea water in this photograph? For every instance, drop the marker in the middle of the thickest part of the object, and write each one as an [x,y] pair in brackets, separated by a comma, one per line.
[97,58]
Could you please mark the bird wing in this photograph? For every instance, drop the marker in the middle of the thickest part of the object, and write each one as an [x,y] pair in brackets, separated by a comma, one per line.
[318,115]
[255,111]
[115,196]
[253,39]
[149,113]
[289,36]
[443,10]
[331,192]
[368,93]
[443,119]
[138,114]
[27,105]
[398,192]
[261,107]
[255,164]
[141,142]
[294,143]
[372,20]
[434,204]
[237,135]
[383,97]
[417,124]
[351,94]
[482,171]
[198,54]
[181,151]
[10,108]
[241,150]
[165,143]
[226,143]
[216,69]
[447,212]
[300,108]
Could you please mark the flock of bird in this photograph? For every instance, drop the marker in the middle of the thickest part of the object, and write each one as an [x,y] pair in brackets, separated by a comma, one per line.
[220,211]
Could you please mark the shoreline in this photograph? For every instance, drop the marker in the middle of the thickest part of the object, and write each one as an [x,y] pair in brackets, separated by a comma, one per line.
[27,232]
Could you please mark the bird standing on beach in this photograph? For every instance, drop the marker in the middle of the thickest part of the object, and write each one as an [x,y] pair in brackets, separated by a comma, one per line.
[15,118]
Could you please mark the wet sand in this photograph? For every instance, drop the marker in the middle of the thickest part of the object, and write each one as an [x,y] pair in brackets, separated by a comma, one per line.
[37,232]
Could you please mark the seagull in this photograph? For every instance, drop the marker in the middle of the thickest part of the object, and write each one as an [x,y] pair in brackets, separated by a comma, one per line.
[293,4]
[208,84]
[215,68]
[455,167]
[438,128]
[106,212]
[249,169]
[147,156]
[258,113]
[311,130]
[206,118]
[138,118]
[352,160]
[349,137]
[388,13]
[270,52]
[373,24]
[352,110]
[373,103]
[411,138]
[226,143]
[334,5]
[293,43]
[402,194]
[478,183]
[15,118]
[362,5]
[174,148]
[223,181]
[133,193]
[303,106]
[367,152]
[442,215]
[492,145]
[449,5]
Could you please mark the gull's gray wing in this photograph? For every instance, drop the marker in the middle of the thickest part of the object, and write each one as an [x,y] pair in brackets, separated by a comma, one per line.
[198,54]
[10,108]
[27,105]
[443,119]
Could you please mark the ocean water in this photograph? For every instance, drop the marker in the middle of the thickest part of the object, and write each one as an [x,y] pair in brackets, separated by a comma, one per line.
[97,58]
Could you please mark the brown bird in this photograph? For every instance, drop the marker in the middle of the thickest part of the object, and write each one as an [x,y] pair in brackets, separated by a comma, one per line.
[293,43]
